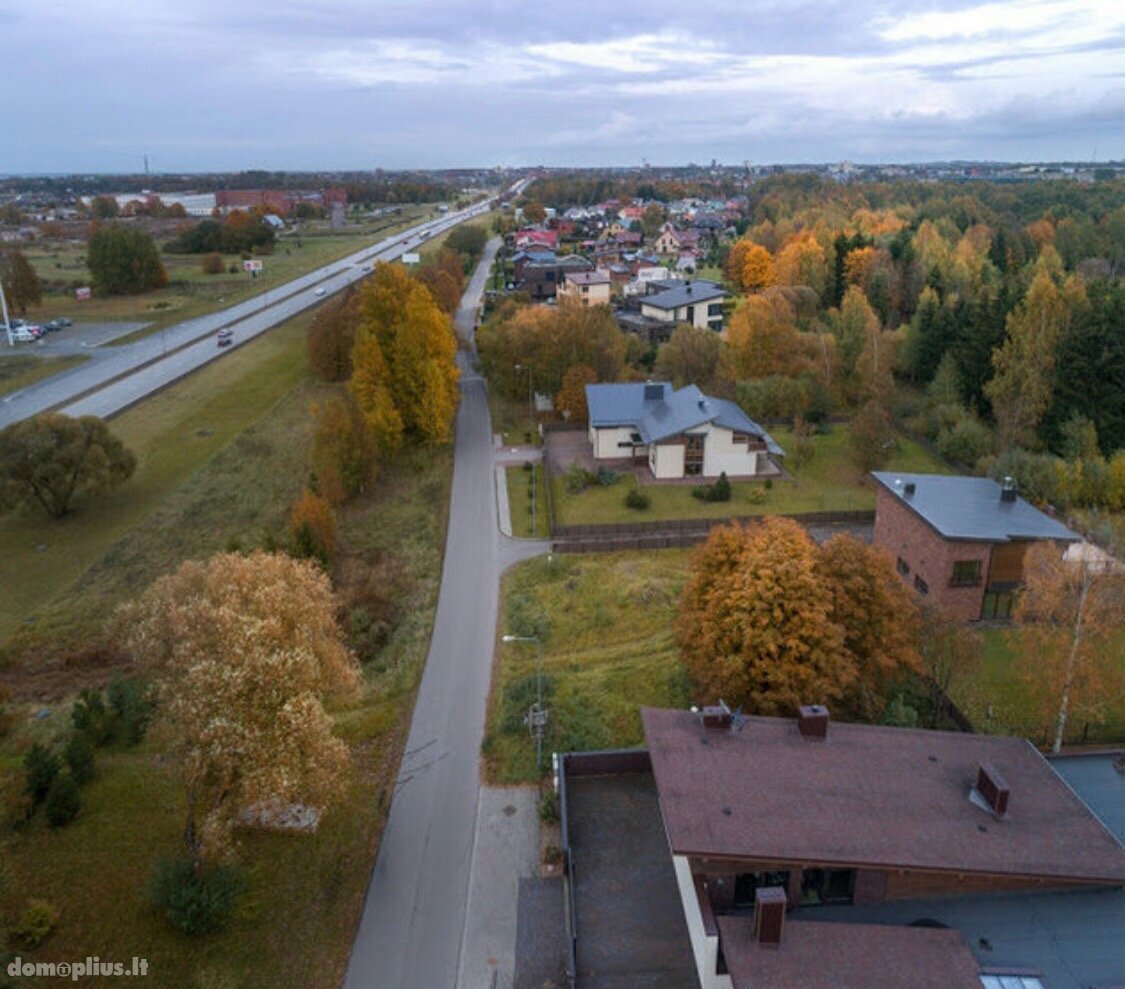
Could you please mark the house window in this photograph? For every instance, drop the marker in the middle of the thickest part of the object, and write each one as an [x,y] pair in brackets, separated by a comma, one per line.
[746,883]
[902,567]
[693,454]
[920,585]
[966,573]
[997,604]
[827,886]
[715,309]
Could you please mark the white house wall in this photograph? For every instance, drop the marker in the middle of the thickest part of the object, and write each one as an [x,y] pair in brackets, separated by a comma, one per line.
[721,453]
[607,445]
[705,947]
[669,461]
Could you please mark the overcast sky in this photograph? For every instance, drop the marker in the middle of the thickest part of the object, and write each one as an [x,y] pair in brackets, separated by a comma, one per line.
[93,85]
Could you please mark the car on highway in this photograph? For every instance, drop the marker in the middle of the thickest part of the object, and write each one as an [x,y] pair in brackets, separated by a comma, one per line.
[321,291]
[224,338]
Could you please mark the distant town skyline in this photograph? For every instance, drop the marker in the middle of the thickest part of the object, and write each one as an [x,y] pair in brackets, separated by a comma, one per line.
[340,84]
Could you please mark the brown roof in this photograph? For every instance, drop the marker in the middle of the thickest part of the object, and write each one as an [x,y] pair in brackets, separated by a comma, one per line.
[818,955]
[869,796]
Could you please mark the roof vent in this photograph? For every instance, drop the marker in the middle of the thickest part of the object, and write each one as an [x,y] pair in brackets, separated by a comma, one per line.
[993,788]
[653,393]
[1008,491]
[717,718]
[812,722]
[769,915]
[909,489]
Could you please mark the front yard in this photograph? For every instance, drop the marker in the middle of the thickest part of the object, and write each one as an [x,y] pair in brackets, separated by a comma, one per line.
[827,482]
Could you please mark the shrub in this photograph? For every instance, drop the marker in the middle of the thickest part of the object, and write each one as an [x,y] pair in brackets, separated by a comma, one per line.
[5,712]
[79,756]
[132,707]
[63,801]
[195,903]
[312,528]
[41,766]
[526,616]
[212,264]
[91,717]
[35,923]
[756,495]
[549,806]
[718,491]
[637,500]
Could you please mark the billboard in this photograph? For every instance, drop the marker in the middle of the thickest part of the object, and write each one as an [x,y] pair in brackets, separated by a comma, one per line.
[252,266]
[82,293]
[411,257]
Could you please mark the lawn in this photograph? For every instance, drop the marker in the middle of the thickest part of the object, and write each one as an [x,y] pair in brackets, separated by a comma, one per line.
[519,502]
[511,418]
[1000,685]
[609,650]
[20,370]
[192,293]
[828,482]
[222,454]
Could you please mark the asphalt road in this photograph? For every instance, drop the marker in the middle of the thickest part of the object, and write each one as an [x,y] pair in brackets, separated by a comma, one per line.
[136,370]
[414,915]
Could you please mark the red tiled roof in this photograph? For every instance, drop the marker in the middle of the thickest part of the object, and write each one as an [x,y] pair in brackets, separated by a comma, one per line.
[820,955]
[870,796]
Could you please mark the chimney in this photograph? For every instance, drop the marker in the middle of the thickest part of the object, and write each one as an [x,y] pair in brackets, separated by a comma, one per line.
[770,903]
[653,393]
[908,490]
[992,786]
[812,722]
[716,718]
[1008,491]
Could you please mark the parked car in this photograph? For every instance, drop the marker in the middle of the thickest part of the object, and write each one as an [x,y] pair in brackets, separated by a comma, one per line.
[23,334]
[224,337]
[53,325]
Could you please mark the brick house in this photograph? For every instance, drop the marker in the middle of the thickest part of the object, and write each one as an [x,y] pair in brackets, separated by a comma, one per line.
[587,288]
[960,541]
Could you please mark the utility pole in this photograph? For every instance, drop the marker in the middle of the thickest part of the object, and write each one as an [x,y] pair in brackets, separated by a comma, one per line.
[536,717]
[4,308]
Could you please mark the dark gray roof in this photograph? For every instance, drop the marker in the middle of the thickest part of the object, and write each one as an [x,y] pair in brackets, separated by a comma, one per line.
[686,293]
[970,508]
[1094,777]
[624,404]
[1072,938]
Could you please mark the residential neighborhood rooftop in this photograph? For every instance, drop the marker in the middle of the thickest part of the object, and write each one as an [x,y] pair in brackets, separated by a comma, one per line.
[685,293]
[971,508]
[596,277]
[870,796]
[832,956]
[657,411]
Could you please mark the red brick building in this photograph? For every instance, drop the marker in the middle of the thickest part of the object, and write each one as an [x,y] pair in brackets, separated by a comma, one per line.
[279,201]
[960,541]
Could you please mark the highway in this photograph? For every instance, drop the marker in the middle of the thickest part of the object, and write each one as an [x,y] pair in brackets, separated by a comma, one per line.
[133,371]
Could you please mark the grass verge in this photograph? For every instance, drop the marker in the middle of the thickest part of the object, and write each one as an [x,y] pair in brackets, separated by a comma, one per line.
[827,482]
[519,502]
[20,370]
[609,651]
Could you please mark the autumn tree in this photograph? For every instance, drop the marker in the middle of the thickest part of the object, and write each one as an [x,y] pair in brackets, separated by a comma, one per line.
[1069,619]
[690,357]
[950,652]
[244,652]
[404,359]
[344,455]
[755,626]
[312,528]
[124,261]
[571,399]
[50,459]
[761,341]
[212,264]
[534,212]
[872,435]
[878,614]
[1020,391]
[757,269]
[853,324]
[802,261]
[444,276]
[104,207]
[652,219]
[22,286]
[331,336]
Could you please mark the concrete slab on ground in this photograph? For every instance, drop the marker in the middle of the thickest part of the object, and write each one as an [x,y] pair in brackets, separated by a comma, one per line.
[505,851]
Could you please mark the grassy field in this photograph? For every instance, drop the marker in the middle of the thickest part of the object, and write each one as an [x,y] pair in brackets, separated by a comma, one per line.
[608,652]
[511,418]
[221,454]
[1000,684]
[192,293]
[172,434]
[827,482]
[519,483]
[20,370]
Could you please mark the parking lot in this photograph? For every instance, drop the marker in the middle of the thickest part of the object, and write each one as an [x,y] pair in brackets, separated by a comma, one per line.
[80,338]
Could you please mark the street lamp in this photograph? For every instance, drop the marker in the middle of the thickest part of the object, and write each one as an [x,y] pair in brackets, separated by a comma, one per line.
[536,717]
[4,310]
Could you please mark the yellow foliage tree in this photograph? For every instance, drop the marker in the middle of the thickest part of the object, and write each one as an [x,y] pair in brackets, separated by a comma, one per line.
[244,652]
[343,451]
[571,399]
[757,269]
[760,342]
[802,261]
[755,626]
[312,528]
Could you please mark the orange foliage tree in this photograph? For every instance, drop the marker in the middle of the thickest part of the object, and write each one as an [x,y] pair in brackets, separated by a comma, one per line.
[571,399]
[343,450]
[755,626]
[330,338]
[761,341]
[802,261]
[312,528]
